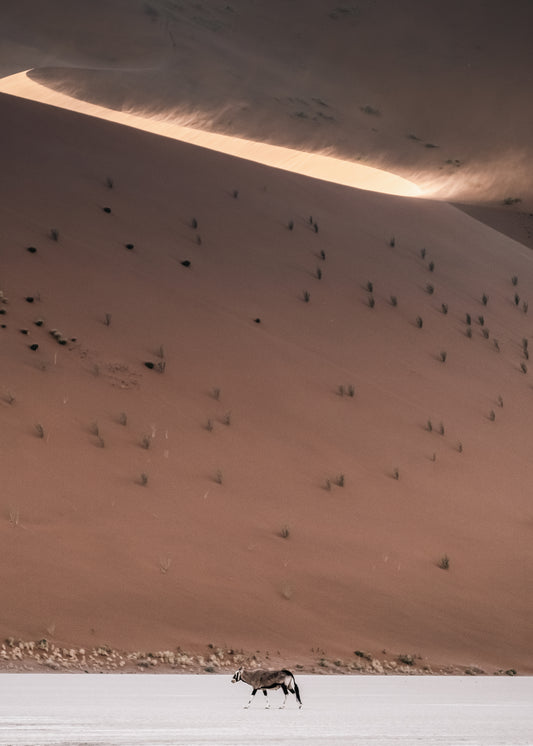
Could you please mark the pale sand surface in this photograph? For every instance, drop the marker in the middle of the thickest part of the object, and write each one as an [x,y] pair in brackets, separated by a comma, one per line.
[197,555]
[202,710]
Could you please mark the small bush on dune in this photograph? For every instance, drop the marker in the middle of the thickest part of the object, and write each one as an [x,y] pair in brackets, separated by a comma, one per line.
[444,562]
[419,322]
[54,234]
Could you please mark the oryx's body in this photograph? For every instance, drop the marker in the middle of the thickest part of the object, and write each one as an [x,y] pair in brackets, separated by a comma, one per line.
[265,680]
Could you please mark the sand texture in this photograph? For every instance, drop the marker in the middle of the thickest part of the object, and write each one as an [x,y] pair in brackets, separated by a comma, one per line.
[247,407]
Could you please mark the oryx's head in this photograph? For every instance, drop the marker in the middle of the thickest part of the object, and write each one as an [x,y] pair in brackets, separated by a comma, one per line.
[236,676]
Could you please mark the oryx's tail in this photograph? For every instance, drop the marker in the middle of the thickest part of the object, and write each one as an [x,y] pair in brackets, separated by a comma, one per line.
[297,691]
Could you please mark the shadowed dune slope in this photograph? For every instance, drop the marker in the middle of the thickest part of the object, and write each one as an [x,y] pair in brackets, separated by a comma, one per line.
[436,92]
[241,534]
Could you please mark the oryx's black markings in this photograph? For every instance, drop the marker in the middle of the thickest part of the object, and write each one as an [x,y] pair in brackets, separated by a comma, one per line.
[263,680]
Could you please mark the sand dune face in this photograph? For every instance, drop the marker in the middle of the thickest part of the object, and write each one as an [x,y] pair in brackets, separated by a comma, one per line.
[337,391]
[241,531]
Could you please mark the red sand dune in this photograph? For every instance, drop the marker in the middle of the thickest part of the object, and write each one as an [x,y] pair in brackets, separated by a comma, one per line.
[196,555]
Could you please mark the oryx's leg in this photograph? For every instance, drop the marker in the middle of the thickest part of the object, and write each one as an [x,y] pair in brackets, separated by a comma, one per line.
[252,695]
[267,706]
[285,693]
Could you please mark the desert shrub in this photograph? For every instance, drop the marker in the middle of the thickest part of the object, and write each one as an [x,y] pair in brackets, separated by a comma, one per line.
[444,308]
[339,480]
[226,420]
[318,273]
[371,301]
[496,345]
[235,194]
[406,659]
[393,300]
[290,225]
[306,296]
[323,255]
[443,356]
[514,280]
[107,319]
[215,393]
[351,390]
[430,289]
[431,266]
[315,227]
[492,415]
[423,253]
[512,200]
[500,401]
[392,242]
[369,287]
[146,441]
[523,367]
[485,332]
[54,234]
[185,263]
[481,320]
[516,299]
[468,319]
[429,426]
[419,322]
[484,299]
[469,332]
[123,419]
[109,182]
[460,447]
[441,429]
[396,474]
[143,479]
[130,246]
[525,306]
[194,223]
[444,562]
[218,477]
[32,249]
[107,210]
[285,532]
[39,429]
[209,425]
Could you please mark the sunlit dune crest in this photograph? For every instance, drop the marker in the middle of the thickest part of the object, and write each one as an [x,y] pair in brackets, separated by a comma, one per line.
[314,165]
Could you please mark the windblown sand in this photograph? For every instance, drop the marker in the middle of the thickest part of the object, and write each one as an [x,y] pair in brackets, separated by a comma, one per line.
[201,500]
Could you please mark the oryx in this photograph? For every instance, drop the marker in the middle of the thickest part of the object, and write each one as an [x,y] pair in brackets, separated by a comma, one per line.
[265,680]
